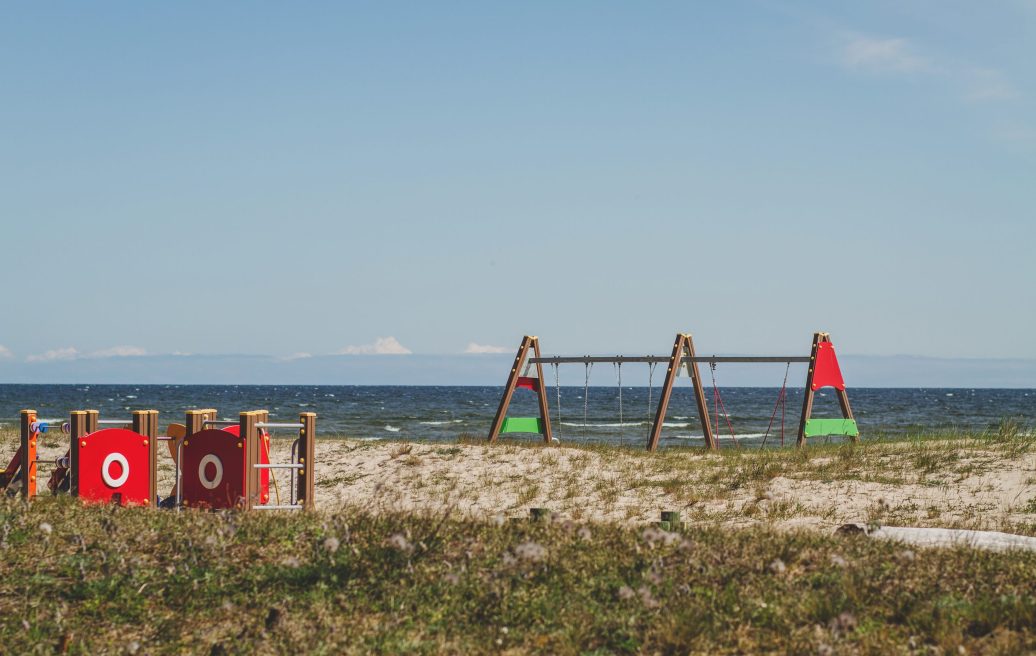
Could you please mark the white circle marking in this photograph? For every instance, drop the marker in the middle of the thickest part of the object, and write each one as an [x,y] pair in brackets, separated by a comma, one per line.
[206,482]
[106,467]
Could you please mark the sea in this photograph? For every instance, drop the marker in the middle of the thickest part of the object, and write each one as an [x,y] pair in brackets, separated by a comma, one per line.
[753,417]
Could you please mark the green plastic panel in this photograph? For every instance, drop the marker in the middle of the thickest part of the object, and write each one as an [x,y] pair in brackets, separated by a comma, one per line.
[522,425]
[816,427]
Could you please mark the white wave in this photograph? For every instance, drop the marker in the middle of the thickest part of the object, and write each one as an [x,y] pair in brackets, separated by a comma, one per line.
[442,423]
[391,429]
[579,424]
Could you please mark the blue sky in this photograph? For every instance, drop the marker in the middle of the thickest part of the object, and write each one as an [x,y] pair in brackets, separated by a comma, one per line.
[286,179]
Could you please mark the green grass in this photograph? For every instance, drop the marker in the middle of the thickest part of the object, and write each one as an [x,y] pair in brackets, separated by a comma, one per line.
[91,580]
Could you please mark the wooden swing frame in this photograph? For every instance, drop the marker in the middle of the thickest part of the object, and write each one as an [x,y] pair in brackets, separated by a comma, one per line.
[683,355]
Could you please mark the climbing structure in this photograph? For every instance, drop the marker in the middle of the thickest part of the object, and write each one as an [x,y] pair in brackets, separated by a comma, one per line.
[519,379]
[825,372]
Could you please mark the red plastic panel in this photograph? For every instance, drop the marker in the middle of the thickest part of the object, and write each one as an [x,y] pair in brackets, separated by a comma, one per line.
[212,467]
[264,459]
[113,461]
[525,382]
[825,370]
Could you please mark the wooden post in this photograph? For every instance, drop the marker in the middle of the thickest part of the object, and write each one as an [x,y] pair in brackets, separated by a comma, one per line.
[541,393]
[255,458]
[249,434]
[528,342]
[28,453]
[683,345]
[145,422]
[78,428]
[699,394]
[807,397]
[667,391]
[304,493]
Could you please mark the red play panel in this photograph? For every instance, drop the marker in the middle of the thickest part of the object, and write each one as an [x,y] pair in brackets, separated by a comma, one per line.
[826,372]
[212,467]
[526,382]
[113,461]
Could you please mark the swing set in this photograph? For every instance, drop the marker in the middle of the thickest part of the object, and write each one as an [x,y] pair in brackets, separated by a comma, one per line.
[823,371]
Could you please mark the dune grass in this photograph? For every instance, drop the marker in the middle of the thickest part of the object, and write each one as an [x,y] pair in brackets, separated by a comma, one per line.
[88,580]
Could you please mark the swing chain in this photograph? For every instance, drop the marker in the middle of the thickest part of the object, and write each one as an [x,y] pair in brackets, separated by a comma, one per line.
[586,393]
[557,388]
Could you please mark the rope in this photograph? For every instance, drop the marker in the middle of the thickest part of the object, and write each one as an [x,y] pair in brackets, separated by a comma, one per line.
[718,403]
[557,387]
[782,402]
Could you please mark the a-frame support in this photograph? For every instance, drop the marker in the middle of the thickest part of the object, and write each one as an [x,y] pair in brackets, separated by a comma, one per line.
[683,347]
[825,372]
[516,380]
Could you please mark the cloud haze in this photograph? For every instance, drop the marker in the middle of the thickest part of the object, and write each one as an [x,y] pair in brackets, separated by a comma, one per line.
[474,348]
[381,346]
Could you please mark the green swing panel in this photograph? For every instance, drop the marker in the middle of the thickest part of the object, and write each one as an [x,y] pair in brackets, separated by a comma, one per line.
[818,427]
[522,425]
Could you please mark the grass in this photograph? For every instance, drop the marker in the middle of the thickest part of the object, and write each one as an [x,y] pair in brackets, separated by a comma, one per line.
[88,580]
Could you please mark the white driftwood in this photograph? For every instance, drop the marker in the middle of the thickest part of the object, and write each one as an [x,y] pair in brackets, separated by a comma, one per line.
[946,537]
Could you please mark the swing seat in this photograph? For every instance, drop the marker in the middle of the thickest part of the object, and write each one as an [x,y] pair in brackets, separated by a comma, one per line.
[522,425]
[818,427]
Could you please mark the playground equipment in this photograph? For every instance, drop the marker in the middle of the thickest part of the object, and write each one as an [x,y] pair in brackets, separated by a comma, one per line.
[823,371]
[23,467]
[226,464]
[110,464]
[115,460]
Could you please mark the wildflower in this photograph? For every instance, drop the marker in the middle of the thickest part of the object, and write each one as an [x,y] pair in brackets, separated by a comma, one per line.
[778,566]
[133,647]
[530,551]
[292,562]
[844,623]
[626,593]
[653,535]
[46,528]
[906,555]
[331,544]
[400,543]
[646,598]
[838,561]
[584,534]
[499,519]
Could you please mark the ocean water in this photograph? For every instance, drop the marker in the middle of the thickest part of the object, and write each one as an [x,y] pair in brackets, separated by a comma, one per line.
[446,413]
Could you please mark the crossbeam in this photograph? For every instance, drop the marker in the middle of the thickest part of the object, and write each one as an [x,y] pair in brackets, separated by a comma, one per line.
[655,359]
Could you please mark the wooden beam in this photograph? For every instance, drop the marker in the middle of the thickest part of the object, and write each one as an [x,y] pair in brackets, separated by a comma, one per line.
[78,429]
[807,397]
[541,394]
[667,391]
[699,393]
[657,359]
[512,382]
[305,493]
[249,436]
[28,454]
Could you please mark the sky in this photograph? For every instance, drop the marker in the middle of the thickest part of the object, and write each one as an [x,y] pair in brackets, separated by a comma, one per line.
[299,180]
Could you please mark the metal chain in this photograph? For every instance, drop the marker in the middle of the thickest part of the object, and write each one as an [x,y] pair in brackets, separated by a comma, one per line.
[651,375]
[586,394]
[557,388]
